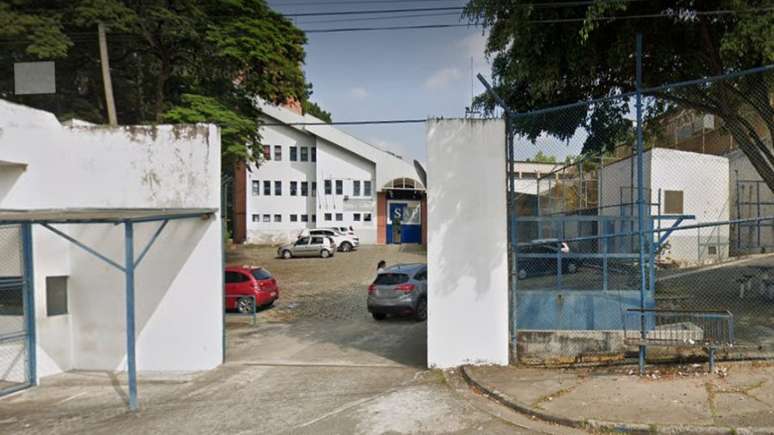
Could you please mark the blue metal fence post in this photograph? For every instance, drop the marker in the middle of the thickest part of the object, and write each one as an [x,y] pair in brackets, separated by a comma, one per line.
[28,290]
[641,197]
[131,362]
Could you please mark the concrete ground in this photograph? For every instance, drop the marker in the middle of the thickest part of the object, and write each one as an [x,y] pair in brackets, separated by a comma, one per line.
[315,363]
[679,399]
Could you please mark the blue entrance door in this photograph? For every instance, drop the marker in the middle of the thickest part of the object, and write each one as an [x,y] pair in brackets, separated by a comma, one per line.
[404,224]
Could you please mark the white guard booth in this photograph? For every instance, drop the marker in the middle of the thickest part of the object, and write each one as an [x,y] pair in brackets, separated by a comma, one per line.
[111,252]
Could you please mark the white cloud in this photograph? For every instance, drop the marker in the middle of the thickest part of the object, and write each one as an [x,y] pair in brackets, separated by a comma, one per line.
[358,93]
[442,78]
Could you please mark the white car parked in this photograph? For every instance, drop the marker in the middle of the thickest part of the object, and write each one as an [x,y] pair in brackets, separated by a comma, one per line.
[344,242]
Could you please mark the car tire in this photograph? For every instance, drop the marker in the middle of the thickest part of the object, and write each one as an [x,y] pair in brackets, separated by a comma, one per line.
[324,253]
[420,312]
[346,247]
[245,305]
[379,316]
[286,254]
[572,268]
[522,274]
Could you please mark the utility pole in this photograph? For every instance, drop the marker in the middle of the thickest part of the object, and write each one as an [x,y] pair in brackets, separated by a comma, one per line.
[107,82]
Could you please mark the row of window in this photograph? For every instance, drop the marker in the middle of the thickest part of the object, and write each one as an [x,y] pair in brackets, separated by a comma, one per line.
[355,191]
[306,154]
[304,186]
[328,217]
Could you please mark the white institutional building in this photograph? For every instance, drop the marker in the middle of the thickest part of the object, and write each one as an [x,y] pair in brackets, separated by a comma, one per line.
[315,176]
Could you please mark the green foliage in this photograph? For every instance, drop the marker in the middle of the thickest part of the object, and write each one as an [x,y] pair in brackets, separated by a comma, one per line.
[542,158]
[239,135]
[315,110]
[543,57]
[171,61]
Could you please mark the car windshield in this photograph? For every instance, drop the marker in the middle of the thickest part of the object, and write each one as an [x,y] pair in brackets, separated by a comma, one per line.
[391,278]
[261,273]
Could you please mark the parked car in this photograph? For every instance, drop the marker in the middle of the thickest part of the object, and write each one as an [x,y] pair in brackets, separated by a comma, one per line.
[343,230]
[544,262]
[249,287]
[344,242]
[308,246]
[400,289]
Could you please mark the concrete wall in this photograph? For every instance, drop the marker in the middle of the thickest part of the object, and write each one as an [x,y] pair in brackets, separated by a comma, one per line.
[179,283]
[467,251]
[749,238]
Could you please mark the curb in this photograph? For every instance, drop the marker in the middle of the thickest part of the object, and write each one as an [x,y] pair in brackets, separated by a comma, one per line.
[601,425]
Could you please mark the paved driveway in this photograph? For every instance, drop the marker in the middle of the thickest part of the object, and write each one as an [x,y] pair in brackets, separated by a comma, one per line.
[315,363]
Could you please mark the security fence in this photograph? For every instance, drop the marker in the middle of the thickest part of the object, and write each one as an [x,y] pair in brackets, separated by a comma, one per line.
[657,199]
[15,358]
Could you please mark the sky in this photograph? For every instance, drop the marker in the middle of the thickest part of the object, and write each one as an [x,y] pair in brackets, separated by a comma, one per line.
[403,74]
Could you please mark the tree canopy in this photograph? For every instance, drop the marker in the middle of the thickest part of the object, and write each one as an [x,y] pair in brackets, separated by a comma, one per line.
[171,61]
[546,55]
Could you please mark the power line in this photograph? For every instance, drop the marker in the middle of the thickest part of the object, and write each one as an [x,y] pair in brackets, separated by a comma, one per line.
[354,2]
[382,11]
[368,29]
[371,122]
[395,17]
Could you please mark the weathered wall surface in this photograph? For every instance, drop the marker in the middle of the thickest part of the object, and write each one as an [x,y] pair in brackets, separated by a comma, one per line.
[467,250]
[179,283]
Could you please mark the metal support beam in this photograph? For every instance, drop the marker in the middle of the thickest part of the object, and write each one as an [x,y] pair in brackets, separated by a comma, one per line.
[641,196]
[28,290]
[131,362]
[82,246]
[668,232]
[150,242]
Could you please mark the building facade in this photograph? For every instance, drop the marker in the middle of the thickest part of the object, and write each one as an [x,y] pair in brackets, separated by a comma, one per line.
[316,176]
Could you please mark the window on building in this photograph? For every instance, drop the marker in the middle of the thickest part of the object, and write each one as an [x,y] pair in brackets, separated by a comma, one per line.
[304,218]
[56,295]
[277,152]
[256,218]
[314,188]
[366,188]
[356,217]
[673,201]
[267,152]
[278,188]
[267,187]
[313,151]
[327,187]
[293,188]
[712,250]
[304,154]
[293,154]
[314,218]
[339,217]
[304,188]
[294,218]
[356,188]
[256,187]
[339,187]
[367,217]
[277,218]
[328,217]
[266,218]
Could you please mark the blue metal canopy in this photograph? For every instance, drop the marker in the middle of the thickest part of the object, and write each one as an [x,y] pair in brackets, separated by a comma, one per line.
[126,216]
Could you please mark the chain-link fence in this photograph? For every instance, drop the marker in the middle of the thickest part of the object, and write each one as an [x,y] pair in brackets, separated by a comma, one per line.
[685,225]
[14,364]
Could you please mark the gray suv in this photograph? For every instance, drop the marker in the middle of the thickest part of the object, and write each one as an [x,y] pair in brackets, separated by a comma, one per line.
[308,246]
[399,289]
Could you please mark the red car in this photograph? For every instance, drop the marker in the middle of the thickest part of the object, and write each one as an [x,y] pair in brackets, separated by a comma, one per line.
[242,282]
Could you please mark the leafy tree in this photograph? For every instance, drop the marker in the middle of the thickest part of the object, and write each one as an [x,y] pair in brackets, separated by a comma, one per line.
[315,110]
[542,158]
[171,61]
[547,55]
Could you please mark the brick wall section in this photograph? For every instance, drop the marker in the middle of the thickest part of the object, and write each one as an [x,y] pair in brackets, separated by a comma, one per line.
[381,218]
[239,202]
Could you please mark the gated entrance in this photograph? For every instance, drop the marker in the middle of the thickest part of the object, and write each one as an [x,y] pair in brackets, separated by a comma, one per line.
[17,366]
